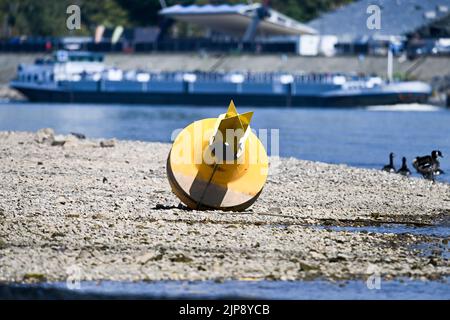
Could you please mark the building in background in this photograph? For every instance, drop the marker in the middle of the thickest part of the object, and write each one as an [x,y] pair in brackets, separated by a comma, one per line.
[242,25]
[401,21]
[245,22]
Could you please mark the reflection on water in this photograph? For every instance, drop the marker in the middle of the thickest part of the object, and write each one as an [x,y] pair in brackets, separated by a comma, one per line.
[355,137]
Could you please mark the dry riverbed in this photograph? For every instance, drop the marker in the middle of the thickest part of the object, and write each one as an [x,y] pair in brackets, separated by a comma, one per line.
[106,209]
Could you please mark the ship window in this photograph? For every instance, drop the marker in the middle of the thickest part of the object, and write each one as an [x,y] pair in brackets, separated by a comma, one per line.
[29,78]
[35,77]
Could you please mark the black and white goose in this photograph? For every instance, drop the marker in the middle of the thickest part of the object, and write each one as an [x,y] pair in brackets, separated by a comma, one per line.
[404,171]
[390,167]
[429,166]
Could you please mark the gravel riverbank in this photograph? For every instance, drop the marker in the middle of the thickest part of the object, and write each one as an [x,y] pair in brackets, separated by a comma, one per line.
[105,209]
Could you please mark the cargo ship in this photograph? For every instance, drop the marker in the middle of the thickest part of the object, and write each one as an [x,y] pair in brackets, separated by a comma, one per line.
[82,77]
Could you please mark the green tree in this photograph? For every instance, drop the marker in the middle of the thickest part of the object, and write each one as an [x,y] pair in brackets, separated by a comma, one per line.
[48,17]
[107,12]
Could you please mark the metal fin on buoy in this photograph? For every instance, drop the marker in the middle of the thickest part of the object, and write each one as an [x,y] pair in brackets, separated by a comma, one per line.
[237,174]
[231,110]
[232,128]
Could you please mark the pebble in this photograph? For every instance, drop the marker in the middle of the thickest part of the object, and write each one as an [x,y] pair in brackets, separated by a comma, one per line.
[107,143]
[45,135]
[58,140]
[61,200]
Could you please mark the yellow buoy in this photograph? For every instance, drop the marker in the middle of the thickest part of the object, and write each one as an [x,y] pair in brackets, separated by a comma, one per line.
[218,163]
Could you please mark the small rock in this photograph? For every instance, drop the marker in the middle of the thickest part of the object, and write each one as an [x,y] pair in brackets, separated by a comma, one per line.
[71,141]
[58,140]
[276,210]
[105,180]
[73,215]
[307,267]
[433,262]
[144,258]
[272,277]
[57,234]
[40,163]
[85,254]
[148,257]
[179,257]
[107,143]
[61,200]
[337,259]
[45,136]
[34,277]
[98,216]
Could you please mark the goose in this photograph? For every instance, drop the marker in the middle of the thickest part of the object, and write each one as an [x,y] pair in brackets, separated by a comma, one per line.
[404,171]
[390,167]
[429,166]
[428,159]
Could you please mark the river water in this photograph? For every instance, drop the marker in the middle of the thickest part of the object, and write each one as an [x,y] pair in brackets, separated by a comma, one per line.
[304,290]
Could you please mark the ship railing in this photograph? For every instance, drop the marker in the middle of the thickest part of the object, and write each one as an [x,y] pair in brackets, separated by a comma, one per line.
[234,77]
[247,77]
